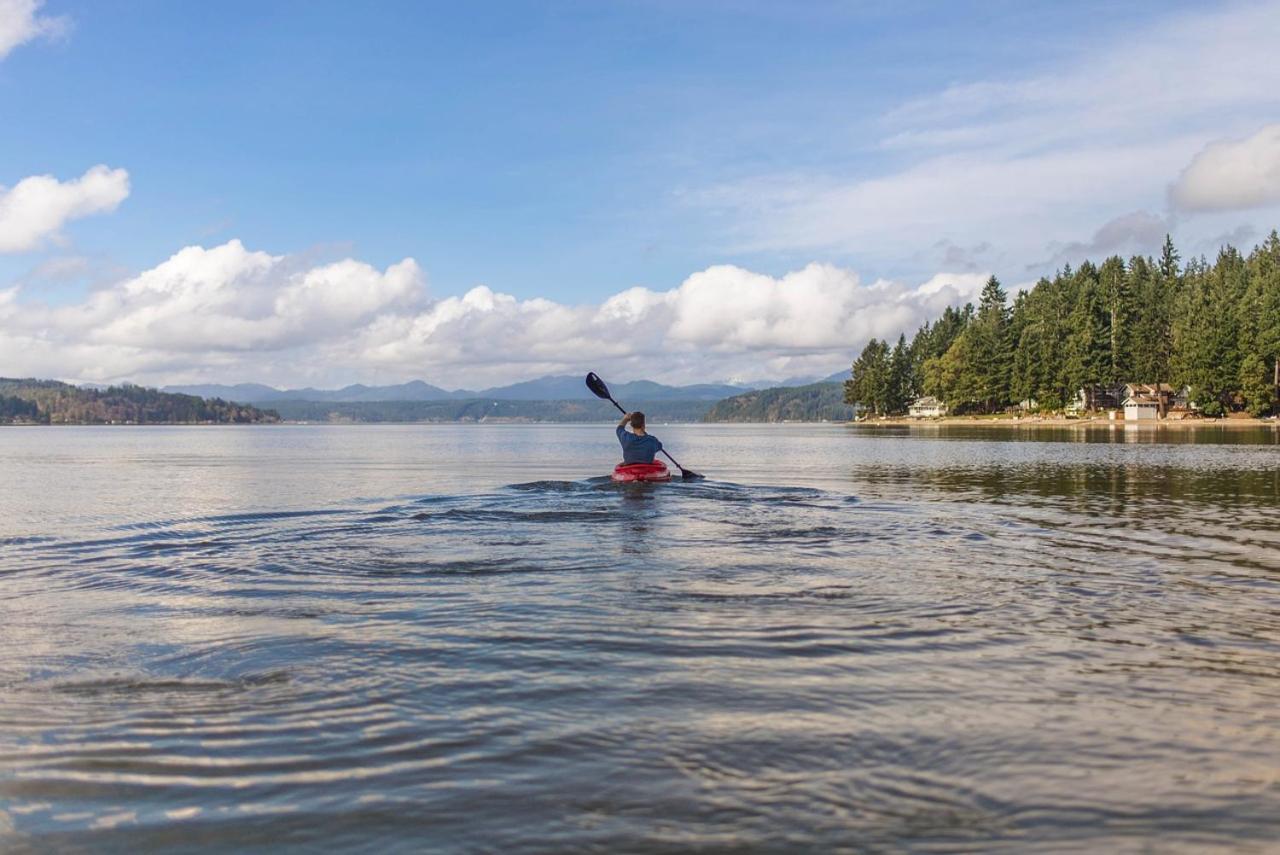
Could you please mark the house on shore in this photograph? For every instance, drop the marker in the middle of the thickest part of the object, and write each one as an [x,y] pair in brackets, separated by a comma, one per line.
[1151,401]
[1097,396]
[1141,408]
[927,407]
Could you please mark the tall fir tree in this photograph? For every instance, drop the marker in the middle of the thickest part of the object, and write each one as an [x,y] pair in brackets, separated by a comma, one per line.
[1115,283]
[868,383]
[1088,348]
[990,347]
[901,383]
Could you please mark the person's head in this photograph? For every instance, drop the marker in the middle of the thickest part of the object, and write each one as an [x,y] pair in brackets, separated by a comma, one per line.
[637,421]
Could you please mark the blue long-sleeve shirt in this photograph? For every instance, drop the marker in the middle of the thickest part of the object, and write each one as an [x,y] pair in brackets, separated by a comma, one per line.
[637,449]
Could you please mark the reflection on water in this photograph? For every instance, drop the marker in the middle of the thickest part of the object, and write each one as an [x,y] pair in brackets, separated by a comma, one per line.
[378,636]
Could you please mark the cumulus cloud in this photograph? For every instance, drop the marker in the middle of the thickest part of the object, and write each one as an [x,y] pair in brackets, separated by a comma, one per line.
[1232,174]
[232,299]
[229,313]
[37,208]
[720,323]
[20,22]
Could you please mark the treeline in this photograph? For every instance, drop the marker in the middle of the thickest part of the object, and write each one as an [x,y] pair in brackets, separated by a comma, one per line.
[51,402]
[812,403]
[1214,328]
[485,410]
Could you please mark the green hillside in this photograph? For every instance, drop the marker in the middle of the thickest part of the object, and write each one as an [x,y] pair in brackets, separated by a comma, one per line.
[50,402]
[813,403]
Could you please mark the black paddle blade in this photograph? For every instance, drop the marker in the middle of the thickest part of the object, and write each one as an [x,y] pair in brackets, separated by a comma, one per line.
[690,475]
[596,385]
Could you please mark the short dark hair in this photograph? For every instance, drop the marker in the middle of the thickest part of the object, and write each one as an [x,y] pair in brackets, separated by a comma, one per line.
[637,420]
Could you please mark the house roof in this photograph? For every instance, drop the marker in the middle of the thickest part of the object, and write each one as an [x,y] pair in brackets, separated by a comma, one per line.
[1141,401]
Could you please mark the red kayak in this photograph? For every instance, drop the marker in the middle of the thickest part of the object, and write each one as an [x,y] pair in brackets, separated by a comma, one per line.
[655,471]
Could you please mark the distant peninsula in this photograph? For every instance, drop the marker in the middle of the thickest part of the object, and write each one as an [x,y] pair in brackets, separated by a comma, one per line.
[49,402]
[815,402]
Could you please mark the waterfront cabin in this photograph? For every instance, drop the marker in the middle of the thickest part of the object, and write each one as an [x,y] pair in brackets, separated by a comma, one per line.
[1164,394]
[1141,408]
[927,407]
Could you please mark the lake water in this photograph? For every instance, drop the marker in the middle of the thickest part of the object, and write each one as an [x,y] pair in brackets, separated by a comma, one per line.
[461,638]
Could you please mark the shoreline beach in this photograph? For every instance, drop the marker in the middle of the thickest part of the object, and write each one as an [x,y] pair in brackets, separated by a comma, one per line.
[1061,422]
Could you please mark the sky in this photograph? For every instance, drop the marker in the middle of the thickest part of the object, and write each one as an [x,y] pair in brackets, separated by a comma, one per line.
[319,193]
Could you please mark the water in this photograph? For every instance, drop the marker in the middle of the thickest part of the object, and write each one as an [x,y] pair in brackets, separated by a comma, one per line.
[409,638]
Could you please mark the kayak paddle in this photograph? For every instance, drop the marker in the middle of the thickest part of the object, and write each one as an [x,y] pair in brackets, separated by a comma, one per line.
[596,385]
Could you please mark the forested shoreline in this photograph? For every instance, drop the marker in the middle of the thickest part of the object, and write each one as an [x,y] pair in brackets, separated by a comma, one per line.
[51,402]
[811,403]
[1214,328]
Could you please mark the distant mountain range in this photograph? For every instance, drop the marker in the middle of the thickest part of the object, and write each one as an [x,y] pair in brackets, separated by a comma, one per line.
[549,399]
[565,387]
[256,393]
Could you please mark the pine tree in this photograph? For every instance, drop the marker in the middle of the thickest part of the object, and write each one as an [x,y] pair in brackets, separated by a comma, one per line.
[1206,330]
[901,384]
[1256,388]
[951,376]
[868,383]
[1088,342]
[1115,283]
[990,346]
[1264,270]
[1156,289]
[1169,259]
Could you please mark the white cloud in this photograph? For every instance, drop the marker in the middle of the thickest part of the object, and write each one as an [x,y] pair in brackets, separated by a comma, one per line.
[36,208]
[228,313]
[721,322]
[1232,174]
[231,299]
[21,23]
[1034,163]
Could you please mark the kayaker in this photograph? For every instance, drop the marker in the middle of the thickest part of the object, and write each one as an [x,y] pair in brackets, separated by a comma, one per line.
[637,446]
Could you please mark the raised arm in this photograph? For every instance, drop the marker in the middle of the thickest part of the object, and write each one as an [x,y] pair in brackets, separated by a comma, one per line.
[624,421]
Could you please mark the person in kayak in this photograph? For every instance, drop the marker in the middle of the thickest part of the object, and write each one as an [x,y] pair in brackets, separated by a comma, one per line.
[637,446]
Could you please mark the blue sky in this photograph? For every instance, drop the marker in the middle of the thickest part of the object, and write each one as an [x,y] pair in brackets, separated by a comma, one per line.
[564,153]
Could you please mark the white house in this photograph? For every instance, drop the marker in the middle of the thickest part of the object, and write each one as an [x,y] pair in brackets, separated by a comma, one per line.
[927,407]
[1140,408]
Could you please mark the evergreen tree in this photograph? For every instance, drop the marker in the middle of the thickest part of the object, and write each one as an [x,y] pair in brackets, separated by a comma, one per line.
[901,382]
[1115,284]
[990,349]
[1155,288]
[1206,334]
[1023,327]
[868,383]
[951,377]
[1264,288]
[1088,350]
